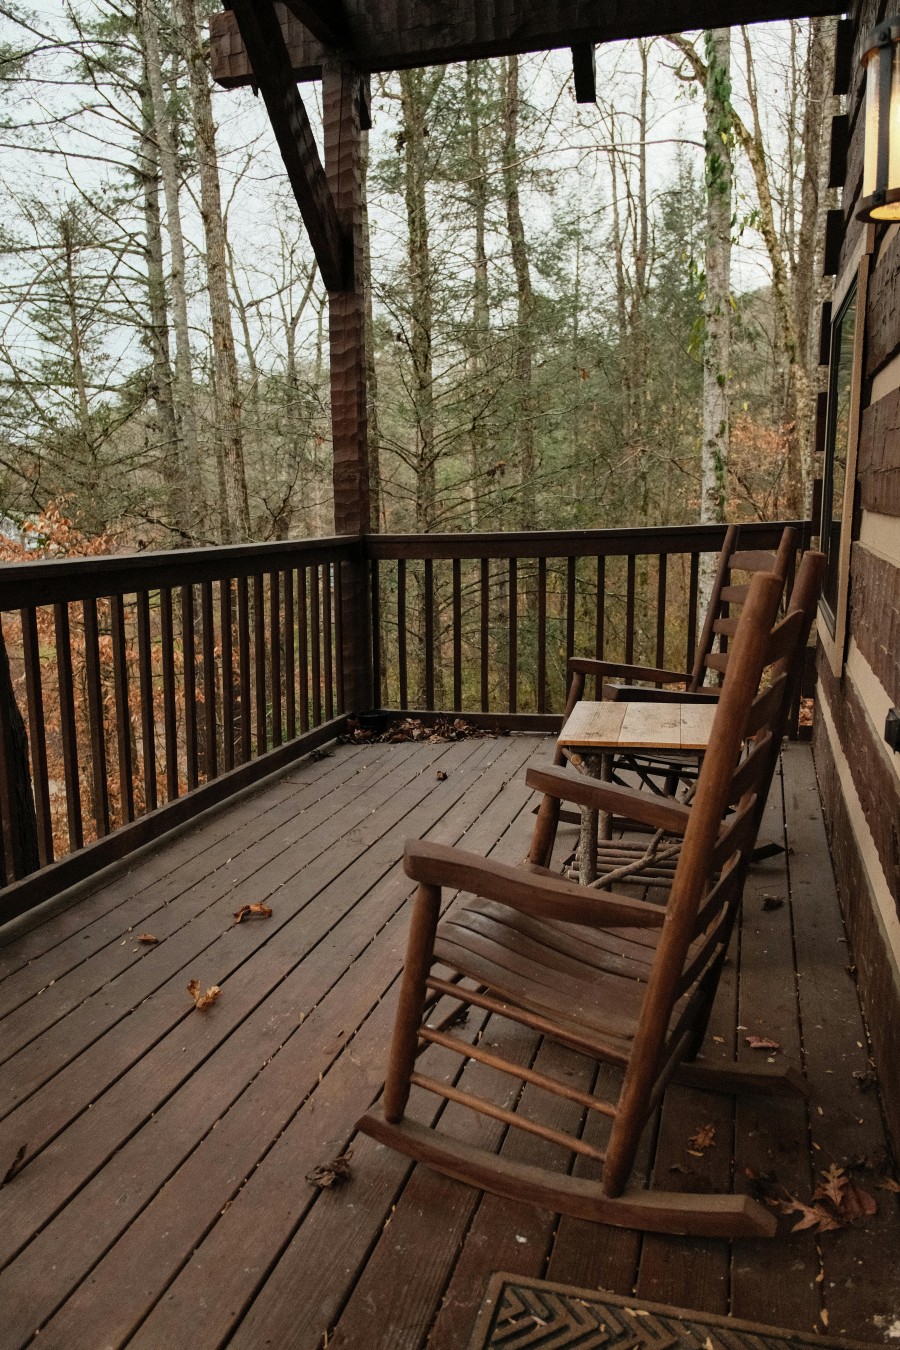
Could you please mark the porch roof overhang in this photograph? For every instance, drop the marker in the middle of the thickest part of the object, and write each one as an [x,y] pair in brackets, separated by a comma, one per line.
[382,35]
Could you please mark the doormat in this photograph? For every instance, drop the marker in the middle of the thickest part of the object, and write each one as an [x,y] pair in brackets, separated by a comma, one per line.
[523,1314]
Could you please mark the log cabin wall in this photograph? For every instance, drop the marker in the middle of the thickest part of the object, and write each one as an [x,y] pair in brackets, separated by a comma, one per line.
[859,773]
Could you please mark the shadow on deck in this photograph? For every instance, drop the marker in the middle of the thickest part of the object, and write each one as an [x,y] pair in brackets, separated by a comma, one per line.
[162,1200]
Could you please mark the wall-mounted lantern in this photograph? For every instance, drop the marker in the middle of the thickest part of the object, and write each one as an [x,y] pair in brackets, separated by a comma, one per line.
[881,170]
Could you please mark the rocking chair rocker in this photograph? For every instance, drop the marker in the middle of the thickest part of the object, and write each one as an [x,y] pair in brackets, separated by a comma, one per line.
[624,981]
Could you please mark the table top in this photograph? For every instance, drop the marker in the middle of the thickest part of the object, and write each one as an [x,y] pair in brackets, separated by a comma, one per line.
[638,726]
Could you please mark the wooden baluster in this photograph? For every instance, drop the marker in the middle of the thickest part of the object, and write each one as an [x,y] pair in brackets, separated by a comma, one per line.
[167,634]
[376,634]
[457,634]
[225,622]
[68,733]
[429,634]
[485,634]
[341,696]
[259,665]
[693,591]
[327,648]
[94,690]
[145,684]
[290,675]
[275,655]
[600,630]
[661,609]
[303,648]
[629,610]
[37,734]
[401,632]
[210,740]
[542,636]
[243,594]
[513,634]
[190,685]
[570,608]
[123,711]
[19,854]
[315,614]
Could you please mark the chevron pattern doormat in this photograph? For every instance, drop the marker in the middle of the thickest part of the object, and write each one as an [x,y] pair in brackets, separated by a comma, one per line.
[521,1314]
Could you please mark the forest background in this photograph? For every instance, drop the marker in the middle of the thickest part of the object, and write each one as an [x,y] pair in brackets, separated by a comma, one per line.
[549,287]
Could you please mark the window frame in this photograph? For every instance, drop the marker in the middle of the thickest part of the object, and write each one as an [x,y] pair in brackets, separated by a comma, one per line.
[833,625]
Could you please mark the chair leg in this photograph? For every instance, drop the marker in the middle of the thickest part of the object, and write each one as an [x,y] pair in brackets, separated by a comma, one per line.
[419,951]
[547,822]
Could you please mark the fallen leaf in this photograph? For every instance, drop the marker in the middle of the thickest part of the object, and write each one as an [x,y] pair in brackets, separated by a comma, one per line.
[831,1187]
[889,1184]
[334,1173]
[258,911]
[867,1080]
[817,1217]
[761,1043]
[771,902]
[824,1316]
[704,1138]
[146,937]
[441,776]
[206,1000]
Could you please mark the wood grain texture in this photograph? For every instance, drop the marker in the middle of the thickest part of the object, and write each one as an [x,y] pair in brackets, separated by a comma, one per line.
[389,34]
[878,453]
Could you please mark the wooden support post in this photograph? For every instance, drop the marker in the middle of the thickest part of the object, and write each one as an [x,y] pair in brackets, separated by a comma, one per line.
[341,106]
[584,71]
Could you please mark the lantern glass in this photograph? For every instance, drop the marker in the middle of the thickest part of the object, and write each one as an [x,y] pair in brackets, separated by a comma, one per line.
[870,164]
[881,166]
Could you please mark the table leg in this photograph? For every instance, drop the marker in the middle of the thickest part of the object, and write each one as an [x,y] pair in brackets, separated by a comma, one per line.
[595,766]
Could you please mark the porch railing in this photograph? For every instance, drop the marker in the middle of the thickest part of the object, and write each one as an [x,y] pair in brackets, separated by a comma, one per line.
[137,691]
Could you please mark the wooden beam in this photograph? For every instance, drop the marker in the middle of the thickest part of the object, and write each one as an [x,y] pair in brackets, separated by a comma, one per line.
[270,65]
[385,35]
[326,21]
[584,70]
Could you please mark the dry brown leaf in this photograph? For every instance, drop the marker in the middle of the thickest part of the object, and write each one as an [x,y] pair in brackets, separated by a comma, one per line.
[258,911]
[206,1000]
[704,1138]
[817,1217]
[334,1173]
[146,937]
[832,1185]
[762,1043]
[889,1184]
[441,776]
[15,1166]
[824,1316]
[771,902]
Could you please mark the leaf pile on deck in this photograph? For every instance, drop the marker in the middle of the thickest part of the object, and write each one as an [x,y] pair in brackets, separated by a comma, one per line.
[206,1000]
[334,1173]
[412,729]
[836,1201]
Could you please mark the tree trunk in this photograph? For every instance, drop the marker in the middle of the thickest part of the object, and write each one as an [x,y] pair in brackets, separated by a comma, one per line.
[228,400]
[158,328]
[524,337]
[717,304]
[479,335]
[191,507]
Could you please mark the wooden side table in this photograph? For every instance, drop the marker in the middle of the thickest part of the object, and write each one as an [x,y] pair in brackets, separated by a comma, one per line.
[596,732]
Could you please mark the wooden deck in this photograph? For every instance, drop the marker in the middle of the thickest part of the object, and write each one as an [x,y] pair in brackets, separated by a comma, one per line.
[162,1200]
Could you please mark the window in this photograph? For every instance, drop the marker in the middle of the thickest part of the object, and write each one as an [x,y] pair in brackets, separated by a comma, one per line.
[839,469]
[840,389]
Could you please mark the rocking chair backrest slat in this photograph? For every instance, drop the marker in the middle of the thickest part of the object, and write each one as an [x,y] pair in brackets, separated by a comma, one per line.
[717,621]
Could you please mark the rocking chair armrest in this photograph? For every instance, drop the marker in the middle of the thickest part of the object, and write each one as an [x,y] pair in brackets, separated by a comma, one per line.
[611,670]
[641,693]
[543,897]
[663,813]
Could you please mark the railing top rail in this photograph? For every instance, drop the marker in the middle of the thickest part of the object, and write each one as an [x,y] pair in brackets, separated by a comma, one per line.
[576,543]
[52,580]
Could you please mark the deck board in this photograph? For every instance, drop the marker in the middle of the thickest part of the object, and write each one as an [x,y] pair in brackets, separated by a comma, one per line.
[163,1199]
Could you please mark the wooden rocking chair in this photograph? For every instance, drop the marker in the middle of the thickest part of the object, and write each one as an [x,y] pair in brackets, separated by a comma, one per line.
[655,861]
[621,980]
[649,684]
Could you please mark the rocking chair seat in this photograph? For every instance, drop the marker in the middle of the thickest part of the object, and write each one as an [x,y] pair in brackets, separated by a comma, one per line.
[589,982]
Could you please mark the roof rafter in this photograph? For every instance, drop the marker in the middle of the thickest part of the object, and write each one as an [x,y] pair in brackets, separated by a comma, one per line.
[385,35]
[325,19]
[270,64]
